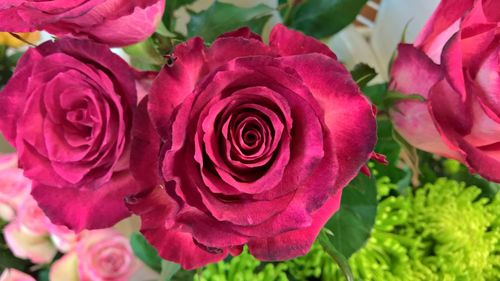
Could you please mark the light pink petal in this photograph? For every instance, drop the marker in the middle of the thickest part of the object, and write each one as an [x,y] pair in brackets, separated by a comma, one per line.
[443,21]
[15,275]
[128,29]
[65,268]
[37,248]
[412,118]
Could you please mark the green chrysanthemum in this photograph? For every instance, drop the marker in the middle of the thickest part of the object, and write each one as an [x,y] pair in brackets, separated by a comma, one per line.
[442,231]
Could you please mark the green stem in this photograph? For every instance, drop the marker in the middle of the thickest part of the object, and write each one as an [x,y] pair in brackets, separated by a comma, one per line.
[171,15]
[286,18]
[336,255]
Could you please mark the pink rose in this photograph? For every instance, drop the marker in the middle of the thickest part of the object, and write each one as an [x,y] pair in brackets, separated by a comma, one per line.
[455,65]
[63,238]
[32,236]
[32,218]
[255,144]
[15,275]
[68,110]
[114,22]
[25,244]
[100,255]
[14,187]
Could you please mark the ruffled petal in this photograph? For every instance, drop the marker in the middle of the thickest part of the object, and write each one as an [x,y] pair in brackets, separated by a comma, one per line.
[444,21]
[412,118]
[125,30]
[157,211]
[37,248]
[354,140]
[287,42]
[175,83]
[144,158]
[294,243]
[82,208]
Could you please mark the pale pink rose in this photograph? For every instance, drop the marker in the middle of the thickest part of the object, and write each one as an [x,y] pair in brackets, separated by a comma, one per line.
[28,234]
[65,268]
[25,244]
[100,255]
[15,275]
[105,255]
[14,187]
[31,217]
[63,238]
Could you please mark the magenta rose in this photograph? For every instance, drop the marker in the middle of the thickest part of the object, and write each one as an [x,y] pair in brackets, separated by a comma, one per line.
[254,145]
[68,111]
[114,22]
[455,65]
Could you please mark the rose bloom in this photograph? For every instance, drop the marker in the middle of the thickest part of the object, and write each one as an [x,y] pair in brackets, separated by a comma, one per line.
[68,110]
[30,234]
[114,22]
[455,65]
[27,236]
[15,275]
[14,187]
[254,145]
[100,255]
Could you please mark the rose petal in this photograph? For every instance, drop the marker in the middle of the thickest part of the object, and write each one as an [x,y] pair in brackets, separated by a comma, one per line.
[411,118]
[182,78]
[127,30]
[80,209]
[14,94]
[37,248]
[11,274]
[442,25]
[294,243]
[342,102]
[287,42]
[157,211]
[144,161]
[65,268]
[244,32]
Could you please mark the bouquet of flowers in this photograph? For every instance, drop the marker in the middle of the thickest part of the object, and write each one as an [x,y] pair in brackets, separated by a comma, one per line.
[240,131]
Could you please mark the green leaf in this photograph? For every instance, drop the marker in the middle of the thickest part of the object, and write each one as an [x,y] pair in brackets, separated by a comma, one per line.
[170,7]
[352,224]
[393,97]
[363,74]
[8,260]
[389,147]
[325,241]
[324,18]
[168,270]
[144,55]
[377,94]
[145,252]
[222,17]
[43,275]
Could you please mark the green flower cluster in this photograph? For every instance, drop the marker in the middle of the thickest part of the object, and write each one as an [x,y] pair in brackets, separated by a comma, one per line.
[441,231]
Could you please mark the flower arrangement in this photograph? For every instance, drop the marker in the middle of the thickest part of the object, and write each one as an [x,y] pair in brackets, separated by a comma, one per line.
[242,141]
